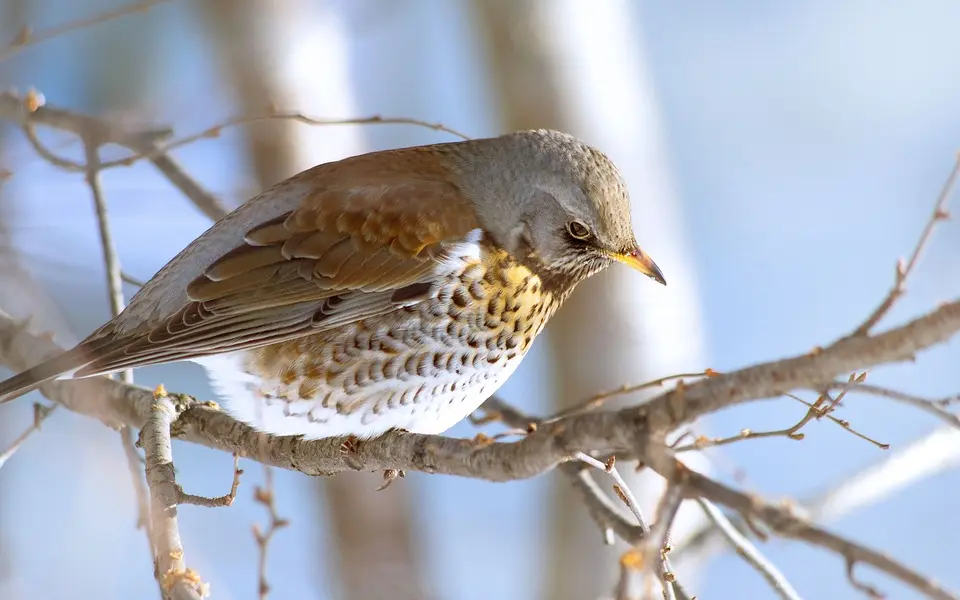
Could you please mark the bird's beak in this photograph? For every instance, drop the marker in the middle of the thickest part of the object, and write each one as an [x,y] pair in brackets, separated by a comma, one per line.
[636,259]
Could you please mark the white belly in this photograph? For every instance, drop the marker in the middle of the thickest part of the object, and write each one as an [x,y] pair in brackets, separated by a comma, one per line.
[242,396]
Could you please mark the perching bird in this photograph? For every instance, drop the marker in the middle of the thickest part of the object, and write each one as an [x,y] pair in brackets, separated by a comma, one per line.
[395,289]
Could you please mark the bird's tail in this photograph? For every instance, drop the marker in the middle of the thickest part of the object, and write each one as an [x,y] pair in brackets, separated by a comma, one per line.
[32,378]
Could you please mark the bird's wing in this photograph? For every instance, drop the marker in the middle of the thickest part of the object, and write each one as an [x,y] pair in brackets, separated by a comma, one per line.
[345,253]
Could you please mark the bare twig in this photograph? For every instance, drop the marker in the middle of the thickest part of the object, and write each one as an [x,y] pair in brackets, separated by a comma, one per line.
[620,486]
[26,37]
[604,512]
[215,131]
[657,547]
[934,407]
[48,155]
[749,552]
[816,410]
[602,509]
[128,278]
[40,413]
[597,400]
[903,270]
[171,569]
[110,258]
[20,110]
[217,501]
[265,496]
[782,520]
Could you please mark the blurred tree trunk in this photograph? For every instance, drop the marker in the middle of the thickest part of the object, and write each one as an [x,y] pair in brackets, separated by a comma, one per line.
[283,54]
[578,67]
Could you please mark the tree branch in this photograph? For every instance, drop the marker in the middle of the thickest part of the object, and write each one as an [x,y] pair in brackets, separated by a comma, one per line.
[171,569]
[26,37]
[15,108]
[785,523]
[629,430]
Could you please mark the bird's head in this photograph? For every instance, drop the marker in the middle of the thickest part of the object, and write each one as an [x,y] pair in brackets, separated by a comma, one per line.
[551,198]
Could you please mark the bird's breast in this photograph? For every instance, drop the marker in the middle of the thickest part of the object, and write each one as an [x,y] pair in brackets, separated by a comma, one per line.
[421,368]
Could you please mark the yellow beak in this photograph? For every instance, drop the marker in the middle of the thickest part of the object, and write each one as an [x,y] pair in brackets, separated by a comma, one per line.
[636,259]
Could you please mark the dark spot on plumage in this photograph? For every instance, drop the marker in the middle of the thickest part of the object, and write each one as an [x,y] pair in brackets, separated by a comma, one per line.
[524,283]
[423,365]
[519,325]
[476,290]
[360,377]
[410,366]
[461,297]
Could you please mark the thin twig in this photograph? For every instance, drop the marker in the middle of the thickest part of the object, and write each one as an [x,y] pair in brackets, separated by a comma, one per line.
[599,399]
[749,552]
[605,513]
[215,131]
[40,413]
[265,496]
[217,501]
[620,486]
[815,410]
[111,260]
[128,278]
[903,270]
[934,407]
[25,37]
[601,508]
[30,132]
[23,111]
[657,547]
[782,520]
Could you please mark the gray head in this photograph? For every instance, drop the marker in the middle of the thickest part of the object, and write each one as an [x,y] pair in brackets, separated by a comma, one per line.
[552,200]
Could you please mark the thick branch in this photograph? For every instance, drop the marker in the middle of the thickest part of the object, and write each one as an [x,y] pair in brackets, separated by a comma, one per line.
[624,431]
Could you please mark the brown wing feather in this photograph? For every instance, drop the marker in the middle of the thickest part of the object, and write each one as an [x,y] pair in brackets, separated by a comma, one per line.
[337,258]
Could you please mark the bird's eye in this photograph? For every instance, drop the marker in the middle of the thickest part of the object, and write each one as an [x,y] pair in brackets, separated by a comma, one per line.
[578,230]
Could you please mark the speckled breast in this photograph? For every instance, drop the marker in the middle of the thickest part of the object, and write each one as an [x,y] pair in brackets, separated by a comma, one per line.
[421,368]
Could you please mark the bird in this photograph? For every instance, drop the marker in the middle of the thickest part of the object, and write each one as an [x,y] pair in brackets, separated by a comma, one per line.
[393,290]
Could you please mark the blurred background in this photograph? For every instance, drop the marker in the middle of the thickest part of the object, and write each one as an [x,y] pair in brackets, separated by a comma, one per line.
[780,155]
